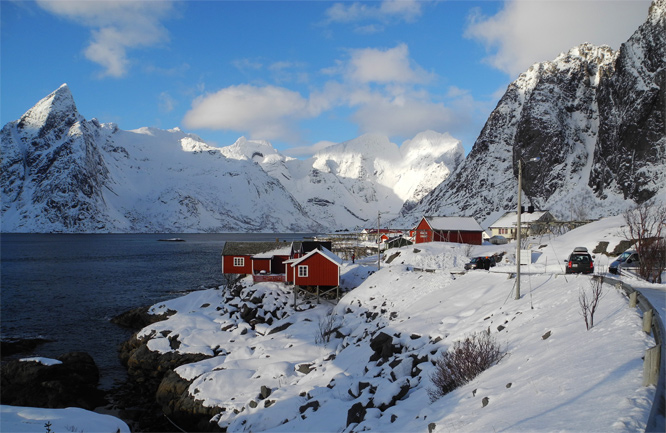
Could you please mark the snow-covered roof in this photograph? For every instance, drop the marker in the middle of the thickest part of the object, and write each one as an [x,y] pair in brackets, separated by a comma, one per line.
[232,248]
[284,251]
[323,251]
[467,224]
[509,218]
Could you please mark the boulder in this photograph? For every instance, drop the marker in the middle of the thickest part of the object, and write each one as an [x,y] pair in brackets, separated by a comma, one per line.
[139,318]
[72,383]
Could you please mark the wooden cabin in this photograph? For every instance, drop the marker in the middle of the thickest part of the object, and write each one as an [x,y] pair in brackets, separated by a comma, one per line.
[320,267]
[464,230]
[237,257]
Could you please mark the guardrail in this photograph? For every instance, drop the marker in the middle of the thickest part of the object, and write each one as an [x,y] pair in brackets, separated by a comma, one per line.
[654,364]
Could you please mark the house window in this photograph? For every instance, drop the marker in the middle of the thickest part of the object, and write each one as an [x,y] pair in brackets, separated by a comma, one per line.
[239,261]
[302,271]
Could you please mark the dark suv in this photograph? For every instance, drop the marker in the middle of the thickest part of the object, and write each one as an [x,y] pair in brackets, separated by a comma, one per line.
[485,262]
[579,262]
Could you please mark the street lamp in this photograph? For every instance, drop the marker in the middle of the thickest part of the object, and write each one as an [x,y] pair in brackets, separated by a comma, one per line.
[519,228]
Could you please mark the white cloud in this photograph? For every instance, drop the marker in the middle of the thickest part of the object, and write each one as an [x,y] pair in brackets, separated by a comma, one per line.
[384,66]
[116,27]
[382,91]
[300,151]
[267,112]
[166,102]
[526,32]
[403,10]
[245,65]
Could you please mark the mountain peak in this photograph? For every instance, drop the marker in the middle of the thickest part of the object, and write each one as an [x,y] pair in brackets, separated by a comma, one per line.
[57,105]
[657,11]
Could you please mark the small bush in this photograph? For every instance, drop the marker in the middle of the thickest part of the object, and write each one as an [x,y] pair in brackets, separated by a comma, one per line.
[466,360]
[327,327]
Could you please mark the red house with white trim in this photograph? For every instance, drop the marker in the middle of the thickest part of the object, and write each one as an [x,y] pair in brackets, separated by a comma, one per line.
[464,230]
[319,267]
[237,257]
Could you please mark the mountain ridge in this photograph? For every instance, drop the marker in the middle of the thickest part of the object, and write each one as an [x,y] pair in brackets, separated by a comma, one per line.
[63,173]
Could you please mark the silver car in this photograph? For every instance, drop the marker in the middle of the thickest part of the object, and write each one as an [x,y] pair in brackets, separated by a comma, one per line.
[627,260]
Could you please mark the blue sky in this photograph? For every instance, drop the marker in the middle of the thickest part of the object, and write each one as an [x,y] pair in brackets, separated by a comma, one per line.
[300,74]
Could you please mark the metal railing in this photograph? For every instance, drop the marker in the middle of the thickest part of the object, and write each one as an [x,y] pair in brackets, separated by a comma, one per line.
[652,323]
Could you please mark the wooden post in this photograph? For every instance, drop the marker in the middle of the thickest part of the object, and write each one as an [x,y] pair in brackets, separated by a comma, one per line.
[647,321]
[651,365]
[295,292]
[633,299]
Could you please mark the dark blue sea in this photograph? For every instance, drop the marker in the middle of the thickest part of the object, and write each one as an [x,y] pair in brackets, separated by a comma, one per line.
[66,287]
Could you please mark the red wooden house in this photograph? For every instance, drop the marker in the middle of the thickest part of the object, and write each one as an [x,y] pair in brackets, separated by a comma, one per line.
[319,267]
[464,230]
[237,257]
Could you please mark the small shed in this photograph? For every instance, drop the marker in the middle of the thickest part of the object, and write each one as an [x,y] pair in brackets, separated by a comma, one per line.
[237,256]
[319,267]
[532,222]
[464,230]
[301,248]
[397,242]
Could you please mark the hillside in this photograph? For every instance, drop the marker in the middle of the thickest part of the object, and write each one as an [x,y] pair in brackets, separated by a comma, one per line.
[554,375]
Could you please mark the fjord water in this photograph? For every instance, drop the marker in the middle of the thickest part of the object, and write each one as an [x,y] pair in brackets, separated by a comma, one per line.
[66,287]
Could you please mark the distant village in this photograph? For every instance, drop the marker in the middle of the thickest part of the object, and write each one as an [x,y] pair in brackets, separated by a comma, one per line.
[314,265]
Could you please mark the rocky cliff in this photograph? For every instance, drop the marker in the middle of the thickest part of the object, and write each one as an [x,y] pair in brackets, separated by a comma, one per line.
[596,118]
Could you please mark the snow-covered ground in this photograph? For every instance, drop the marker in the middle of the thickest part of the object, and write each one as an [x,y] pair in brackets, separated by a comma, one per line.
[555,376]
[72,419]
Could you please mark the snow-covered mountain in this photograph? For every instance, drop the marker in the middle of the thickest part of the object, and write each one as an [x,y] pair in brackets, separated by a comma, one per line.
[63,173]
[596,118]
[345,185]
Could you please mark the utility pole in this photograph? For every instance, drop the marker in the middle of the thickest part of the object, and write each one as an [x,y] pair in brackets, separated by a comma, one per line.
[518,227]
[378,238]
[520,178]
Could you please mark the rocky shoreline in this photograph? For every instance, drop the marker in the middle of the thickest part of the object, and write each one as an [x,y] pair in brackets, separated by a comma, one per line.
[152,399]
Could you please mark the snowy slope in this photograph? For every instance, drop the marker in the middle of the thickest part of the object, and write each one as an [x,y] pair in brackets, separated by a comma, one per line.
[595,118]
[554,375]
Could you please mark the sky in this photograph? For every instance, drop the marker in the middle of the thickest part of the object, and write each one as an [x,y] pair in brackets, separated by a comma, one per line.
[300,74]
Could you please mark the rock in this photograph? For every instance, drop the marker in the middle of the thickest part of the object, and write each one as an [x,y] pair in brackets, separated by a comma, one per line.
[314,405]
[485,401]
[72,383]
[180,406]
[431,427]
[355,414]
[546,335]
[382,345]
[139,318]
[279,328]
[24,345]
[304,368]
[265,392]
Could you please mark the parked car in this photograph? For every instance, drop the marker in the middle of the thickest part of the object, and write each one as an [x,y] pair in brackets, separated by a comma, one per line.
[498,240]
[627,260]
[483,262]
[579,262]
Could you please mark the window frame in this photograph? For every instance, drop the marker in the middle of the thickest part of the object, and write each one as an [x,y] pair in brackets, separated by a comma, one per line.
[239,262]
[302,271]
